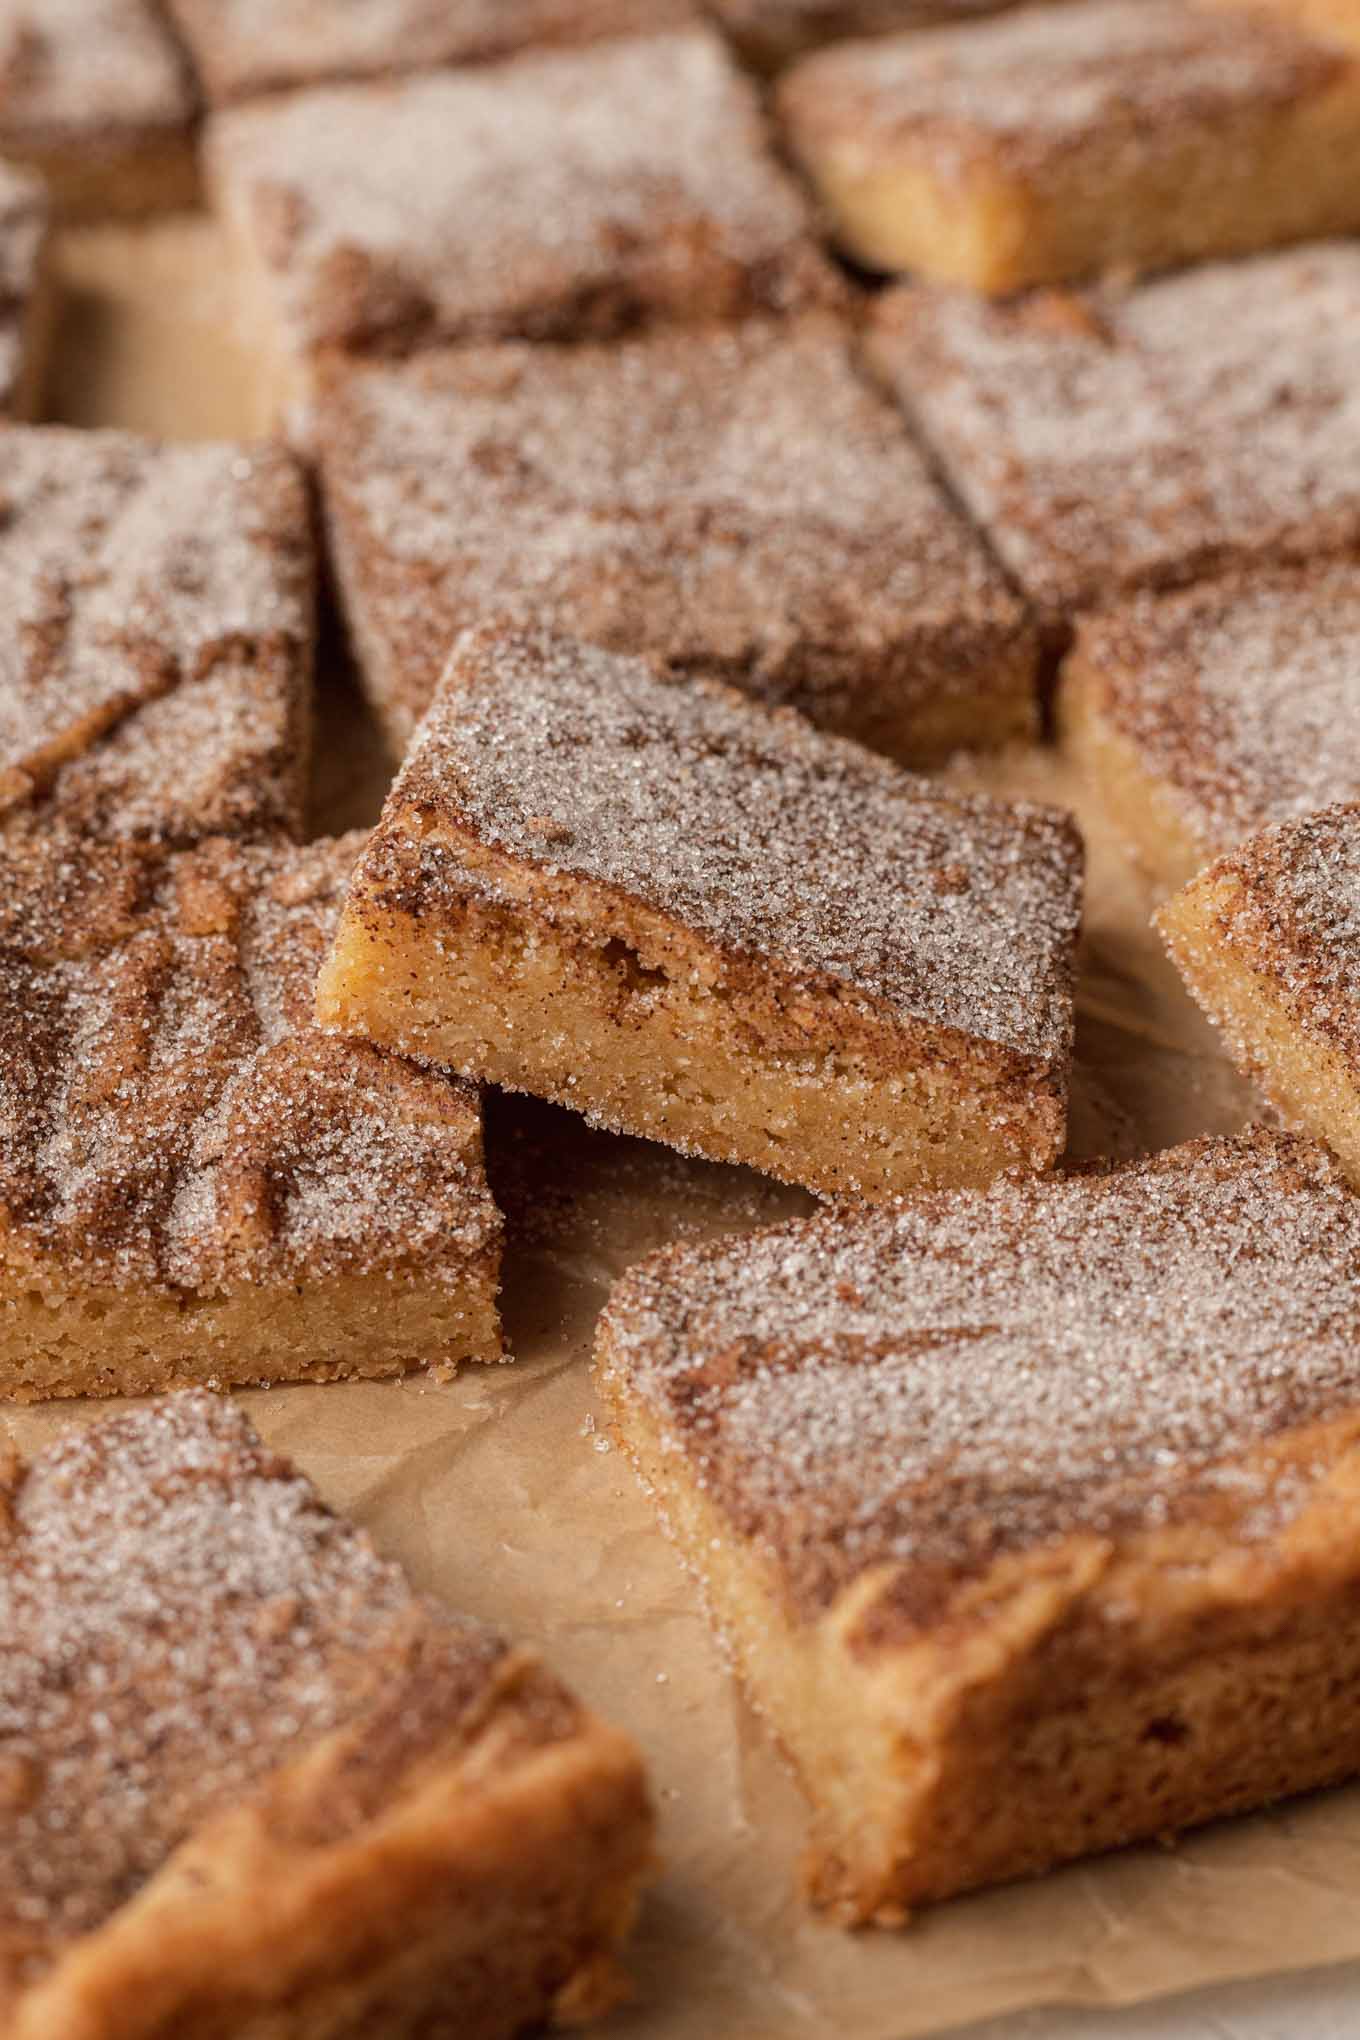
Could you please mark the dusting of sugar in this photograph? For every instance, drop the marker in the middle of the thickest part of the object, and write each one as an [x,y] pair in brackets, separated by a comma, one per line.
[85,65]
[764,835]
[1137,438]
[433,205]
[977,1372]
[738,499]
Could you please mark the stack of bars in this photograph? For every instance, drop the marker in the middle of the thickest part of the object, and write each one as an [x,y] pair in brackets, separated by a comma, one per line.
[710,417]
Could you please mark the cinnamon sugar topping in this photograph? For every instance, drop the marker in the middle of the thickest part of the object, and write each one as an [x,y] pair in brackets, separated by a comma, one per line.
[979,1372]
[562,194]
[737,500]
[1018,91]
[70,67]
[1240,697]
[1204,418]
[153,675]
[243,47]
[755,831]
[179,1616]
[168,1115]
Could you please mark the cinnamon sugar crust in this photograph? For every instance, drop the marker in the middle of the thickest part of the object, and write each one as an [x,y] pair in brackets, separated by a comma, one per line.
[1057,142]
[24,235]
[721,866]
[211,1681]
[95,94]
[155,680]
[179,1138]
[736,502]
[557,196]
[1146,437]
[245,47]
[1230,703]
[944,1522]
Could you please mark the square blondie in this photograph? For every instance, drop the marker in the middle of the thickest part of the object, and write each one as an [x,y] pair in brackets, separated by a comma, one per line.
[1266,942]
[1058,142]
[196,1186]
[1204,715]
[1026,1514]
[26,291]
[155,678]
[558,196]
[254,1784]
[95,95]
[696,920]
[242,48]
[736,502]
[1144,437]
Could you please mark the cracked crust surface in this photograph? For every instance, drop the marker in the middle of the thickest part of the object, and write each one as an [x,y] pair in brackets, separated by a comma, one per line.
[179,1136]
[736,502]
[155,680]
[246,47]
[944,1527]
[222,1713]
[556,196]
[1143,437]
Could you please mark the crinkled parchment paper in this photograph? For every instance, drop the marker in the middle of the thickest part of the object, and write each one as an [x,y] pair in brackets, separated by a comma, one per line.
[498,1492]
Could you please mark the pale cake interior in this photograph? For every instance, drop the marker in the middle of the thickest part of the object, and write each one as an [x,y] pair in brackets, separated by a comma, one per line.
[1133,799]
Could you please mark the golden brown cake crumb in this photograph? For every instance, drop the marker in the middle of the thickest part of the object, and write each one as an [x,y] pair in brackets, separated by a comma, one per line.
[1147,437]
[253,1782]
[96,96]
[1266,939]
[734,501]
[155,674]
[1025,1512]
[1324,17]
[1202,716]
[245,47]
[196,1185]
[557,196]
[696,920]
[1058,142]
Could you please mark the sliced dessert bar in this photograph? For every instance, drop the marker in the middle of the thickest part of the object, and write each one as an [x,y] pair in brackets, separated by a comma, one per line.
[1202,716]
[697,920]
[1028,1514]
[1266,939]
[96,95]
[735,501]
[559,195]
[1144,437]
[155,674]
[245,47]
[196,1186]
[254,1784]
[1059,142]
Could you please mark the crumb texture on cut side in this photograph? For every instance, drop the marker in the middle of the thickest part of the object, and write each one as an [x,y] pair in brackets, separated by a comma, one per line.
[154,681]
[254,1783]
[1238,698]
[736,501]
[557,195]
[1144,438]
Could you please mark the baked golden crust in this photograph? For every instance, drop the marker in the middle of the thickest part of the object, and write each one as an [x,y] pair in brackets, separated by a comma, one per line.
[242,48]
[1265,940]
[715,926]
[272,1789]
[155,679]
[1143,438]
[196,1185]
[1005,1597]
[736,502]
[557,196]
[95,95]
[1055,143]
[1203,716]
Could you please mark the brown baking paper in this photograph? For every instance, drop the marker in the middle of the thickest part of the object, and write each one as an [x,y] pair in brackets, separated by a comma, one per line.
[498,1491]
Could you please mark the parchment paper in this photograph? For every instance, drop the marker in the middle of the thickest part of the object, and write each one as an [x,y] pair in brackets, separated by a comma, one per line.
[498,1492]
